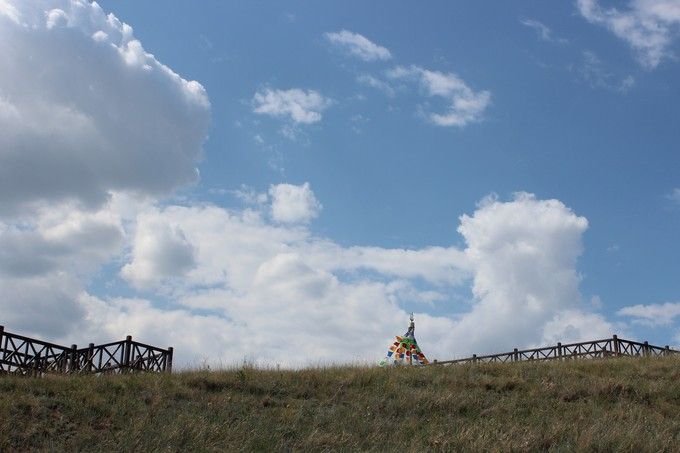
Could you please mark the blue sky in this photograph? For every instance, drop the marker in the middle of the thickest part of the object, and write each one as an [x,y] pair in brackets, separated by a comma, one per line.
[573,101]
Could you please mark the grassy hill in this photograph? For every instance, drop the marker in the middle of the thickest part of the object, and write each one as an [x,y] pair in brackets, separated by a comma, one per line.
[604,405]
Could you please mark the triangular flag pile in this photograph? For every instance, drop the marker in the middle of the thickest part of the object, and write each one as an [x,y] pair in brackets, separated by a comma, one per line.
[405,350]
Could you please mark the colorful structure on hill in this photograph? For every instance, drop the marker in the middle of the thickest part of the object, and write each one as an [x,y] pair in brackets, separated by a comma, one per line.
[405,350]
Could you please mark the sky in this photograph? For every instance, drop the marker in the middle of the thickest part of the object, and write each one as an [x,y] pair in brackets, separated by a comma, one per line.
[283,183]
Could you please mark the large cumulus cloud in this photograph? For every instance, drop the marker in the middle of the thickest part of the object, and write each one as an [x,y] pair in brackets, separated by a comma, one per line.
[282,294]
[85,110]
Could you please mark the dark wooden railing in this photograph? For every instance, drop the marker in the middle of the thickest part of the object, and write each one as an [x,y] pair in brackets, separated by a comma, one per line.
[28,356]
[609,347]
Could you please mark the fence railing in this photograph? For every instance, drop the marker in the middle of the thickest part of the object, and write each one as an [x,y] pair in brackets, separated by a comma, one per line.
[609,347]
[29,356]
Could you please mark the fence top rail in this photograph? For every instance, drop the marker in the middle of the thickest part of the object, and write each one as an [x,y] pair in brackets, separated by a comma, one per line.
[651,346]
[33,340]
[121,343]
[148,346]
[524,351]
[102,346]
[553,348]
[14,336]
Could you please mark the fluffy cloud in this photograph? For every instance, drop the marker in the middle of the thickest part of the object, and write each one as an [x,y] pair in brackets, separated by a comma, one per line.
[239,286]
[45,306]
[652,314]
[101,123]
[101,115]
[649,26]
[299,106]
[523,254]
[293,204]
[358,46]
[161,251]
[45,262]
[50,243]
[464,104]
[570,326]
[251,280]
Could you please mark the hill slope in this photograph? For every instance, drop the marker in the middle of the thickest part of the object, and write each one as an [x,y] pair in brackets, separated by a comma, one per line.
[615,404]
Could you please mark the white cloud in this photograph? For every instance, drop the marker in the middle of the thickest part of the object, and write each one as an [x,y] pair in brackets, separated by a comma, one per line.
[674,196]
[300,106]
[652,314]
[542,29]
[250,196]
[9,11]
[101,115]
[435,265]
[293,204]
[44,305]
[45,262]
[259,289]
[358,46]
[59,235]
[649,26]
[237,285]
[464,104]
[572,326]
[523,254]
[593,72]
[266,279]
[374,82]
[161,251]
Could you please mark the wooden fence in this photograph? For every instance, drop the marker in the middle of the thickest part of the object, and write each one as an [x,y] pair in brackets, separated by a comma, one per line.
[609,347]
[28,356]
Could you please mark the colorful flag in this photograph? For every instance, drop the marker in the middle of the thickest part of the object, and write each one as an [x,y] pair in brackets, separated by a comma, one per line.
[405,346]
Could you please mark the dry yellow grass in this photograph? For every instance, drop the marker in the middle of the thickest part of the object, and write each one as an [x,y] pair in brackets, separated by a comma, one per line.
[600,405]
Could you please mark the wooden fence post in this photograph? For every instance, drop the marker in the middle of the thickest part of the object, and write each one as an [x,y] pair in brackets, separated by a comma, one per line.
[515,355]
[36,365]
[168,364]
[2,351]
[667,350]
[559,350]
[126,352]
[90,357]
[73,366]
[474,358]
[645,351]
[616,348]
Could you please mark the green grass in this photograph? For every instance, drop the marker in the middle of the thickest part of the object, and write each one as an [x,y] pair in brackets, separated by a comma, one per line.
[599,405]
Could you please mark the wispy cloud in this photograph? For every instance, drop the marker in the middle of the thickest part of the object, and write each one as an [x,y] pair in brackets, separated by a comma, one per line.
[374,82]
[358,45]
[543,31]
[249,196]
[674,196]
[300,106]
[652,314]
[648,26]
[465,104]
[592,71]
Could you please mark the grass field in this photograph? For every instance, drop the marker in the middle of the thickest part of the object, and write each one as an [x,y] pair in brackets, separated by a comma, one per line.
[598,405]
